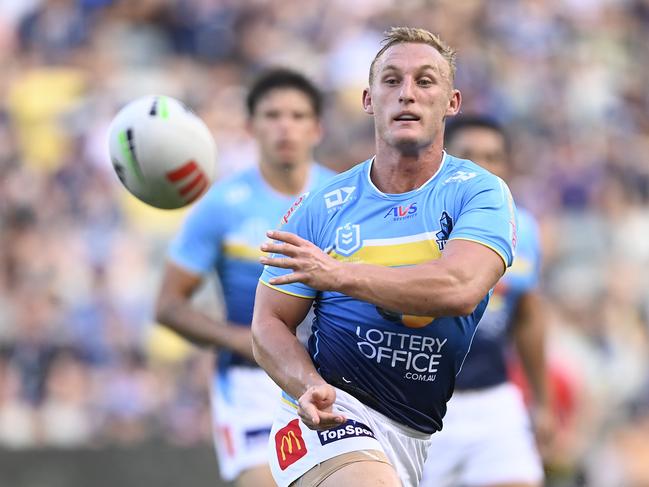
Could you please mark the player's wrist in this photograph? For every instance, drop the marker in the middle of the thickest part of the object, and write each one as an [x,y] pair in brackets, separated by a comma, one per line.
[312,380]
[345,278]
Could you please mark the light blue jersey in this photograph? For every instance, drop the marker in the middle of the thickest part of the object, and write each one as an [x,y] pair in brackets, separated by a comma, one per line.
[223,232]
[402,366]
[486,363]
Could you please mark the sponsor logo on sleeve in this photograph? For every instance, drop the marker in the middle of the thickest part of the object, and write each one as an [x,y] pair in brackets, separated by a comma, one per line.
[289,444]
[293,208]
[351,429]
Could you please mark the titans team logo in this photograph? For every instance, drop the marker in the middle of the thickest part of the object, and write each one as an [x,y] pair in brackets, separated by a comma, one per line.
[348,239]
[446,227]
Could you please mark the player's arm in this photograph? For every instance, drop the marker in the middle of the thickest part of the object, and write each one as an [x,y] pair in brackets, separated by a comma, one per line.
[174,309]
[529,335]
[279,352]
[450,286]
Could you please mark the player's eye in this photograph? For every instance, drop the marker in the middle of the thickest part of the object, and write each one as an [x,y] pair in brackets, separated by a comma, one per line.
[391,81]
[425,82]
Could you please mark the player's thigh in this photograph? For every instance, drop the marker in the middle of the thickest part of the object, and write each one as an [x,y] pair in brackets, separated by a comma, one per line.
[255,477]
[356,468]
[363,474]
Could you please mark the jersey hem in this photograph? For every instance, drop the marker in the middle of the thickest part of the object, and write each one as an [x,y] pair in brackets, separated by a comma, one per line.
[284,291]
[500,254]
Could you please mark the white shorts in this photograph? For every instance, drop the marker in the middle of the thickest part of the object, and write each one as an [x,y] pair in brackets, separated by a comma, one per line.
[242,415]
[295,449]
[487,439]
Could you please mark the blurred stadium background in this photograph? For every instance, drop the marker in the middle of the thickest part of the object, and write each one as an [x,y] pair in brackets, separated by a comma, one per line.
[93,393]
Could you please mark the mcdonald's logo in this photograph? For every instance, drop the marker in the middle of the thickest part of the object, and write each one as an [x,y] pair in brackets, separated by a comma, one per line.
[289,444]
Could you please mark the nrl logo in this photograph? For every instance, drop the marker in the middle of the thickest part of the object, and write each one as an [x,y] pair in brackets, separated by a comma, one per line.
[348,239]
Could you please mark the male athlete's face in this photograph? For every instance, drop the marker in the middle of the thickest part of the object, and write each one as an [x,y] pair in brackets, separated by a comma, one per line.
[285,127]
[410,95]
[482,145]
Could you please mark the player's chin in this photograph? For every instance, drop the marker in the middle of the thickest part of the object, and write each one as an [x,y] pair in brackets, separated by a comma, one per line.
[408,145]
[288,157]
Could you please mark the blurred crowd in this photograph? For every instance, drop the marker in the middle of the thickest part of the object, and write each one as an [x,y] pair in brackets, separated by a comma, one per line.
[82,363]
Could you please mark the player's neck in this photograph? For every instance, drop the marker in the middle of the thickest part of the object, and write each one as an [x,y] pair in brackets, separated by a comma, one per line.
[394,172]
[290,180]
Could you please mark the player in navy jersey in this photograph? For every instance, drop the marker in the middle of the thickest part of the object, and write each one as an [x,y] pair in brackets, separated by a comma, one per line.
[222,234]
[488,439]
[399,255]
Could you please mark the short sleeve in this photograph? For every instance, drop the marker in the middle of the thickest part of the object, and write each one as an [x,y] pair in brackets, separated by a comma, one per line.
[524,272]
[488,216]
[299,220]
[197,246]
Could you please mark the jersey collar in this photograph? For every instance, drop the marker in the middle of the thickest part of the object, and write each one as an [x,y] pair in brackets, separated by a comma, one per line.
[408,193]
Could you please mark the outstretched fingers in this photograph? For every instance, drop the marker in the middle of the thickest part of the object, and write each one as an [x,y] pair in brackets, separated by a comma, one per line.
[286,237]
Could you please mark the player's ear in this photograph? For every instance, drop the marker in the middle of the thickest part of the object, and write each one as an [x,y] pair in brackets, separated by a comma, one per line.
[319,132]
[367,102]
[249,126]
[454,103]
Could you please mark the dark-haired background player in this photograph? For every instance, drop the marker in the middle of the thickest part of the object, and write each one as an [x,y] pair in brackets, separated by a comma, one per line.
[222,234]
[488,438]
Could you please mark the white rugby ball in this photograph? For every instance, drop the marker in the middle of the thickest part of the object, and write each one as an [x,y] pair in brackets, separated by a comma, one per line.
[162,152]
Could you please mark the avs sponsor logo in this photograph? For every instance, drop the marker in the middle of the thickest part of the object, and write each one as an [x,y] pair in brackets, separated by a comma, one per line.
[289,444]
[402,212]
[351,429]
[293,208]
[339,196]
[460,177]
[348,239]
[446,227]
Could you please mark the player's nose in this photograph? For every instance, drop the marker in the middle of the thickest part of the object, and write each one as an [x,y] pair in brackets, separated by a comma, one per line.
[407,92]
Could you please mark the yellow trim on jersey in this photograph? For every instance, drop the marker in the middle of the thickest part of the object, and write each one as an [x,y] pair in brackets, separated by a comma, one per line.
[286,401]
[399,254]
[285,291]
[242,251]
[486,245]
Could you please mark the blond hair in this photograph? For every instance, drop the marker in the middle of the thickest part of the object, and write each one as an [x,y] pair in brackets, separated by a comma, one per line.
[401,35]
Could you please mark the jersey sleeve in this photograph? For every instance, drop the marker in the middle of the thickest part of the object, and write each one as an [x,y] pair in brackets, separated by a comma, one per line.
[299,220]
[197,246]
[488,216]
[526,269]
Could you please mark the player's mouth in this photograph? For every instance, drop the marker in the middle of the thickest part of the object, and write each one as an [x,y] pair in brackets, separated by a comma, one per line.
[406,117]
[285,145]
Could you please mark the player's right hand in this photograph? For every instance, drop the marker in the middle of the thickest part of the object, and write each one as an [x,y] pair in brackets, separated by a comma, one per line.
[315,408]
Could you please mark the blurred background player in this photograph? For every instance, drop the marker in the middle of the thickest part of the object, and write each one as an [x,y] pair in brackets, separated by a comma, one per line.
[487,438]
[222,233]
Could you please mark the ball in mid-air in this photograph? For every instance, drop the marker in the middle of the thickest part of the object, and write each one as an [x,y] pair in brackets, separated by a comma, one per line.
[162,152]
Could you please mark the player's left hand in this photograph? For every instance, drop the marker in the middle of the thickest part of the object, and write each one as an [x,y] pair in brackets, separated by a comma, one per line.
[309,263]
